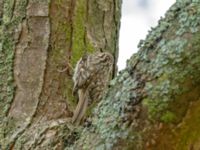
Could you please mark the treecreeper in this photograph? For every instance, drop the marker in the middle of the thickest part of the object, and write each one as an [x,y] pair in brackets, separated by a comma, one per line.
[91,77]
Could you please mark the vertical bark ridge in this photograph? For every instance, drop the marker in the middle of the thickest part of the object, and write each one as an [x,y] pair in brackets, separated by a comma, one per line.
[8,37]
[40,42]
[57,83]
[29,64]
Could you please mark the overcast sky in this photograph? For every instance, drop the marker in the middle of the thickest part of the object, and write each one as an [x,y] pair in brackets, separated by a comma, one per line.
[137,18]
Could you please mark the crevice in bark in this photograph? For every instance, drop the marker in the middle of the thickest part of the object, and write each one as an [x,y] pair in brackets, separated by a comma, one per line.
[104,33]
[13,8]
[59,53]
[40,106]
[117,29]
[71,15]
[1,11]
[85,26]
[25,55]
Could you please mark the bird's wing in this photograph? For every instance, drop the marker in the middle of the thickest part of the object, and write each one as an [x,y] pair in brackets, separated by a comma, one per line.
[81,74]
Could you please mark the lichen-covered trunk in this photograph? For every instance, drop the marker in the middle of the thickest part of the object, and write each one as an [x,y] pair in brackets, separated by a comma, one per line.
[154,104]
[40,43]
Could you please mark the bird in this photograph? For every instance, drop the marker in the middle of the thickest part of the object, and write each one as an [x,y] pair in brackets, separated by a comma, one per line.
[91,77]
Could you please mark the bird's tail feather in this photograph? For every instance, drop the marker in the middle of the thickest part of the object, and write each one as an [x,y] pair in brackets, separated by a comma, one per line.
[81,107]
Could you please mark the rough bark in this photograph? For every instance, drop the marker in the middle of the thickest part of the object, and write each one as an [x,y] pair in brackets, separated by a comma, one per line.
[154,102]
[41,42]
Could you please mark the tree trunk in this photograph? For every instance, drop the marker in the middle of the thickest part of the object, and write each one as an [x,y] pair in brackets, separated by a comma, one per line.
[40,43]
[154,103]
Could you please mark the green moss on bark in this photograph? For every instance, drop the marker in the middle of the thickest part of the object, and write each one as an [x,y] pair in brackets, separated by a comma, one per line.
[164,65]
[81,44]
[7,49]
[189,131]
[12,16]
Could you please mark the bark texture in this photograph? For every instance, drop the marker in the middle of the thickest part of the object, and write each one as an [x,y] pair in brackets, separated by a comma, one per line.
[40,43]
[154,102]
